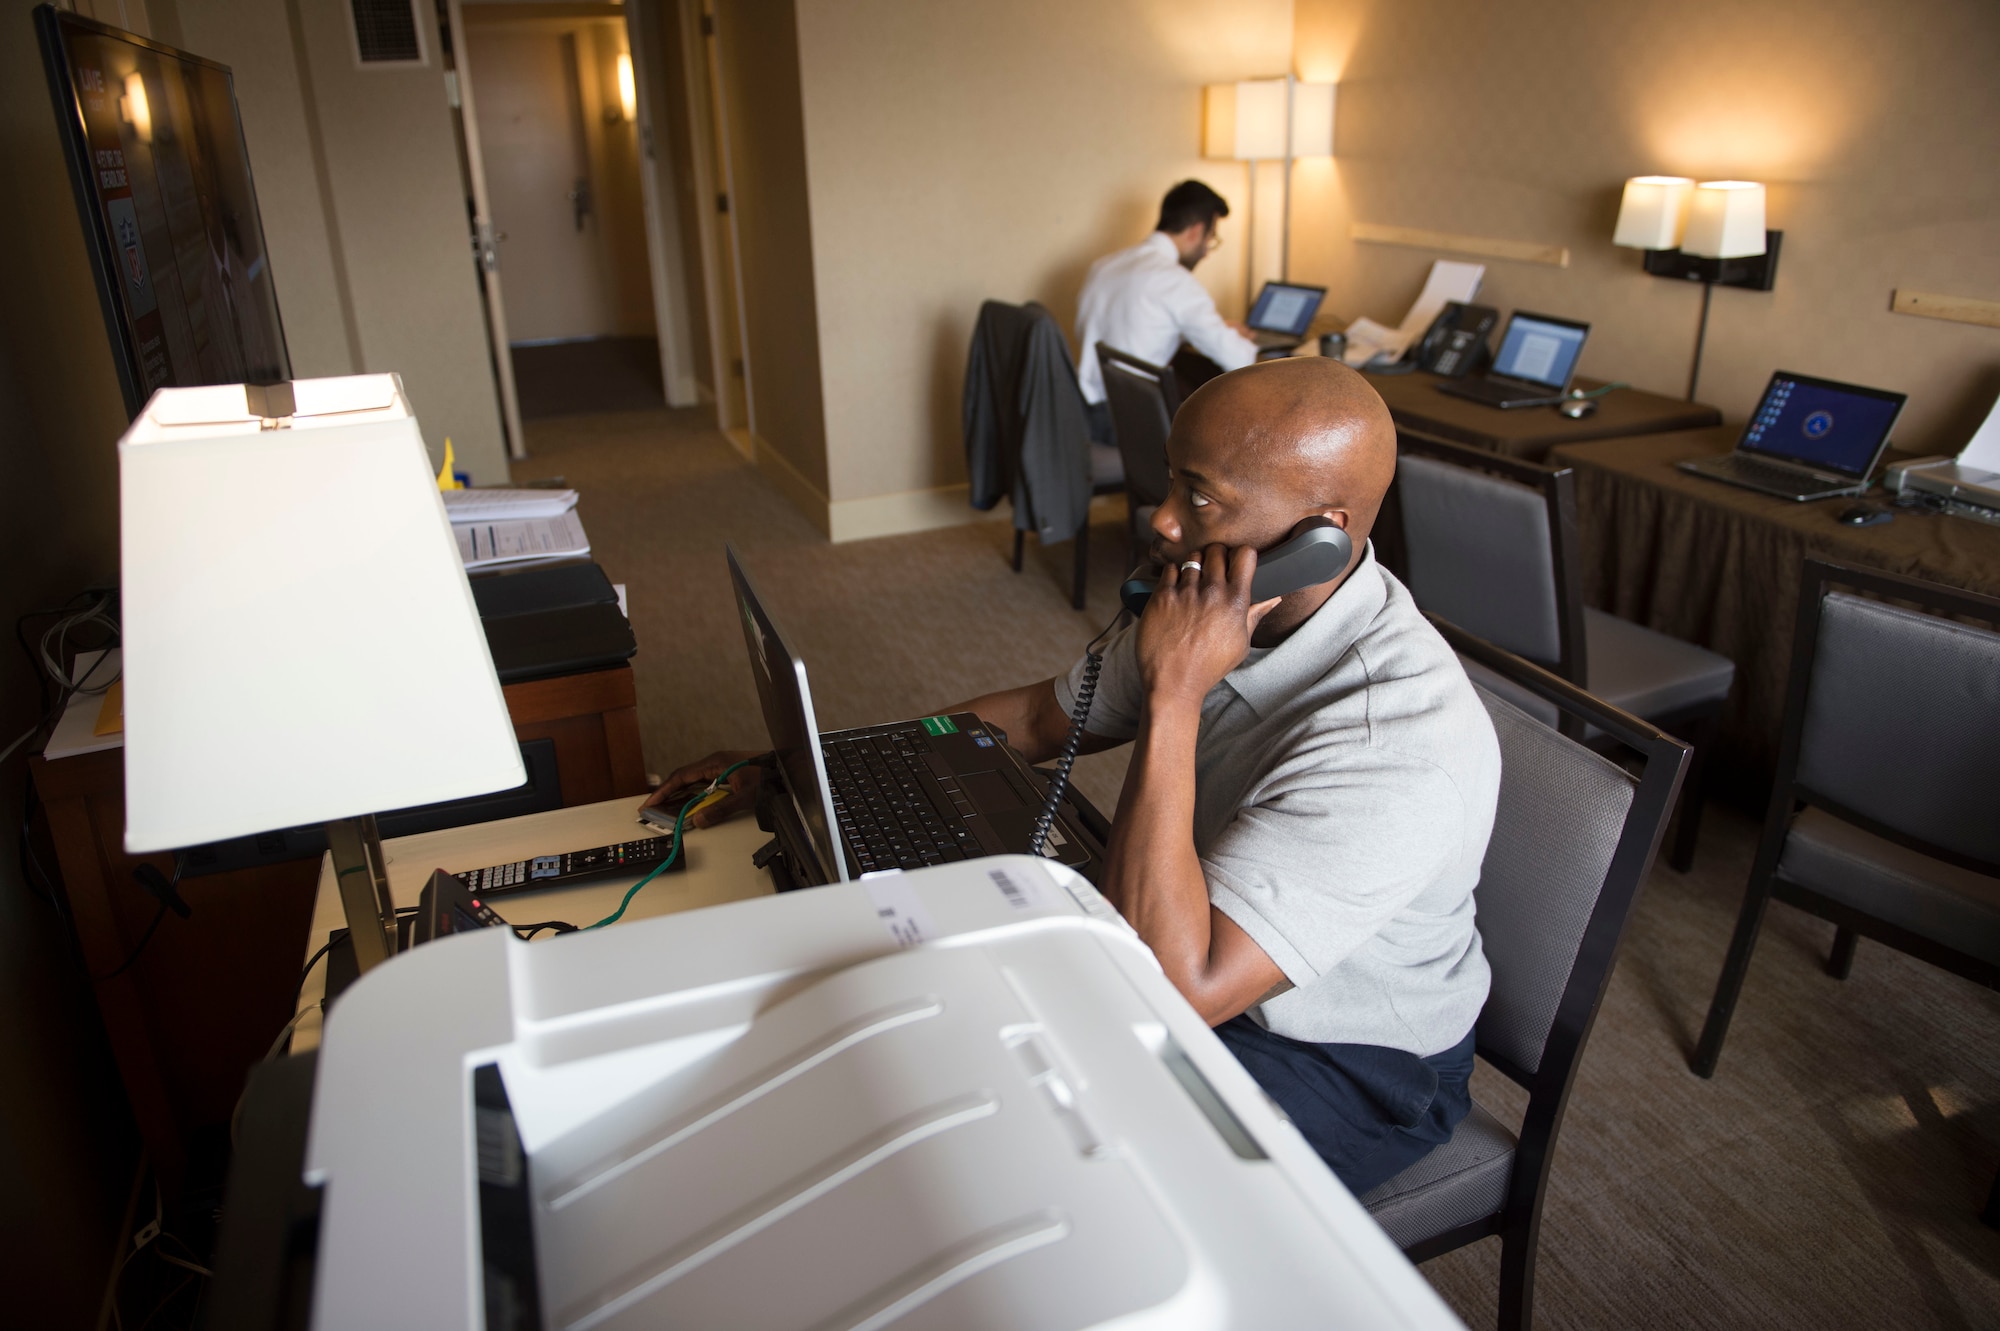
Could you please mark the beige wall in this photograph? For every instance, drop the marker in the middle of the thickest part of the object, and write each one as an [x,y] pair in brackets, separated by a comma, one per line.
[961,152]
[1876,128]
[358,183]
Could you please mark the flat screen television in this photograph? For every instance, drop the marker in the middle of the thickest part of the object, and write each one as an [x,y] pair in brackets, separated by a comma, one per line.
[162,179]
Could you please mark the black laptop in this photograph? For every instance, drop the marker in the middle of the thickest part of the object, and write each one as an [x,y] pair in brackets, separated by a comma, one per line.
[1536,361]
[901,796]
[1810,439]
[1282,314]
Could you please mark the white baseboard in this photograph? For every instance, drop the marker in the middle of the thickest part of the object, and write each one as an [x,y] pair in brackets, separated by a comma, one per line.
[791,482]
[896,514]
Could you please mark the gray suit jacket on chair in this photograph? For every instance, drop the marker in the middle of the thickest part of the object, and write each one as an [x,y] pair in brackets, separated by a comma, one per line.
[1026,436]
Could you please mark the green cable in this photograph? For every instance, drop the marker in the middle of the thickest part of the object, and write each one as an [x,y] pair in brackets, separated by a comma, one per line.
[680,825]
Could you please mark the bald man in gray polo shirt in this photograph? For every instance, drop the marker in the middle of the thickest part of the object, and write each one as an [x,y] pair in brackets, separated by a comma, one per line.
[1313,779]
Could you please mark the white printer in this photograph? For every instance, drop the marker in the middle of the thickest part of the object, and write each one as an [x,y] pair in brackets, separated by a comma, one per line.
[1967,485]
[960,1098]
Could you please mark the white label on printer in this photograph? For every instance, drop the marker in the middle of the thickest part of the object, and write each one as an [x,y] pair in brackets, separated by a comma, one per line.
[901,910]
[1023,891]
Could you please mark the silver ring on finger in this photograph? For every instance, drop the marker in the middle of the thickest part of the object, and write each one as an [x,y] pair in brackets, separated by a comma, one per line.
[1190,566]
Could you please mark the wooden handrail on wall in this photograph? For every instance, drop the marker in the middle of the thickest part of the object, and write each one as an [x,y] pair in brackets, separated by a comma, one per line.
[1520,251]
[1958,309]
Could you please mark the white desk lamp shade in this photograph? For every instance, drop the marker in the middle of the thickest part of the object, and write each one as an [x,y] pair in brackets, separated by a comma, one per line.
[1652,212]
[1725,220]
[300,640]
[1312,119]
[1245,121]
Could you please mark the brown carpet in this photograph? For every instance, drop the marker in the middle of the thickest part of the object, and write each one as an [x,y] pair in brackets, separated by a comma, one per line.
[1830,1174]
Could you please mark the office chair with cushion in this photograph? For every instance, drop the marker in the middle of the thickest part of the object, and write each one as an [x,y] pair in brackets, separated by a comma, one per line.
[1573,838]
[1143,398]
[1489,543]
[1884,817]
[1027,437]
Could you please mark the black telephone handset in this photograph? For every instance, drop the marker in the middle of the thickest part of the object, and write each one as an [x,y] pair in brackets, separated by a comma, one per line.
[1313,552]
[1455,343]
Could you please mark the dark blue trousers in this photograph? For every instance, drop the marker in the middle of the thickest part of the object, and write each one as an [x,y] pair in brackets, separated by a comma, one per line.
[1370,1112]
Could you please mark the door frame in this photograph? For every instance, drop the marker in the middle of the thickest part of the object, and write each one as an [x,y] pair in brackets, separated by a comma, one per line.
[672,322]
[485,245]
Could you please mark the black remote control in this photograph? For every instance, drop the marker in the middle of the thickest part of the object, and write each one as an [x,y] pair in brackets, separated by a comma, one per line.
[627,857]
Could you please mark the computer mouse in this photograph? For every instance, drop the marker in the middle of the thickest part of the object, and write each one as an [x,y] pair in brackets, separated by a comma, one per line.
[1864,515]
[1577,408]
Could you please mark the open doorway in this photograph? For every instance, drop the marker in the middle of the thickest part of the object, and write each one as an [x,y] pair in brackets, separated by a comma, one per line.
[555,122]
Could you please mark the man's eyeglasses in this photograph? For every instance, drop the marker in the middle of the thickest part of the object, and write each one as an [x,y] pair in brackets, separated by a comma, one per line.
[1213,243]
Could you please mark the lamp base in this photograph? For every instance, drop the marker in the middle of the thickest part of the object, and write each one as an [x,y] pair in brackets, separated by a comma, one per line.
[1756,272]
[362,875]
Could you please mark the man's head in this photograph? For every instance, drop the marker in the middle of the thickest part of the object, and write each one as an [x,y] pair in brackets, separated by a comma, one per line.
[1256,451]
[1188,216]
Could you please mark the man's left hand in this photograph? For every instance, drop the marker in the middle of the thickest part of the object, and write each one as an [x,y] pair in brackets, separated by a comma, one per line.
[1197,626]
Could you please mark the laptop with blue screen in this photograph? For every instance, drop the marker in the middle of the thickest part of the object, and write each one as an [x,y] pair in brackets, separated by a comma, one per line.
[1533,368]
[1282,313]
[1809,439]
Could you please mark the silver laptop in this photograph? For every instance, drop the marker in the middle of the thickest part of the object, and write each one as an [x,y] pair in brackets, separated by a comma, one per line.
[1810,439]
[906,795]
[1536,361]
[1282,314]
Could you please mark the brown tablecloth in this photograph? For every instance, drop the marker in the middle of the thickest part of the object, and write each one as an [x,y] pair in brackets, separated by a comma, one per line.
[1718,565]
[1530,432]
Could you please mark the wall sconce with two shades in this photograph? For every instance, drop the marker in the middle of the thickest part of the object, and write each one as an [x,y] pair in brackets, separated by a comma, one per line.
[1712,233]
[1267,120]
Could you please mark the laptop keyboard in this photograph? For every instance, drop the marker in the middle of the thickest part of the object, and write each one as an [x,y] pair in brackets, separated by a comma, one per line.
[882,795]
[1772,476]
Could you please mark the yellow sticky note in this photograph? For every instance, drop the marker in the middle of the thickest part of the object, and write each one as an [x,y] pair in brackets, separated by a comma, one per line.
[111,713]
[447,481]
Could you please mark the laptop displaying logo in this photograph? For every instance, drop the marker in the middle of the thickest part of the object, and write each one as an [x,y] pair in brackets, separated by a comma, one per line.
[1285,307]
[1821,424]
[1539,350]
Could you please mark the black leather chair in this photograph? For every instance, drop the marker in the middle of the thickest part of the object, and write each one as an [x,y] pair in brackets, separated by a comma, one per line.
[1885,815]
[1489,543]
[1573,838]
[1143,398]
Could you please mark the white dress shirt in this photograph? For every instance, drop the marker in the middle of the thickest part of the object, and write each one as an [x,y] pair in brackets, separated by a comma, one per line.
[1142,302]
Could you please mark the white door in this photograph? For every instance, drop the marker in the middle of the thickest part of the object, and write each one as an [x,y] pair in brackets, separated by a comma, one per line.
[530,119]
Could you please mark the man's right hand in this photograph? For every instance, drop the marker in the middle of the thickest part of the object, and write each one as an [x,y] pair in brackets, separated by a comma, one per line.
[686,783]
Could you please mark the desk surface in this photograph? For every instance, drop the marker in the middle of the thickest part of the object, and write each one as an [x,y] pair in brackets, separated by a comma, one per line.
[1530,432]
[1719,565]
[718,870]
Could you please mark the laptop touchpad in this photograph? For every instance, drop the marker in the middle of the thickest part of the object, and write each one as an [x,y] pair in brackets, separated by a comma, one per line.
[990,791]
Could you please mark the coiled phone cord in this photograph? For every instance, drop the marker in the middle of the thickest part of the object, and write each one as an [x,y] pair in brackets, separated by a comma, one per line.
[1079,712]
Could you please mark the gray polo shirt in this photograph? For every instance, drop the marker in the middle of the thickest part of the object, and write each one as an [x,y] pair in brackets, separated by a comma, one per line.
[1344,790]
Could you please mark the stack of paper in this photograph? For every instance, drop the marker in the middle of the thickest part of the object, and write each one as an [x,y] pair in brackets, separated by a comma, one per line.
[495,505]
[1982,453]
[1448,281]
[520,540]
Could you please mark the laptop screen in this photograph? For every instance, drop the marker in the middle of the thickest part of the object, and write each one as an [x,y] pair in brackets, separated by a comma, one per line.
[788,715]
[1284,307]
[1836,427]
[1538,349]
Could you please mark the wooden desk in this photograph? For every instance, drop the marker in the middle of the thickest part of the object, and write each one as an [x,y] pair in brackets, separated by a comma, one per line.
[1530,432]
[208,994]
[1718,565]
[718,870]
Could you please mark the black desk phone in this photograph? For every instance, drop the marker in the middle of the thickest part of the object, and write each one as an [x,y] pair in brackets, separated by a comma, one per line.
[1455,343]
[1313,552]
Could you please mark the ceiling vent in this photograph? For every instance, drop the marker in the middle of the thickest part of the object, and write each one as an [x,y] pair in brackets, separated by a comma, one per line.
[386,33]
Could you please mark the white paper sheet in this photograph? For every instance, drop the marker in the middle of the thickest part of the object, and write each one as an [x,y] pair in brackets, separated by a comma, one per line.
[1448,281]
[484,544]
[494,505]
[1982,452]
